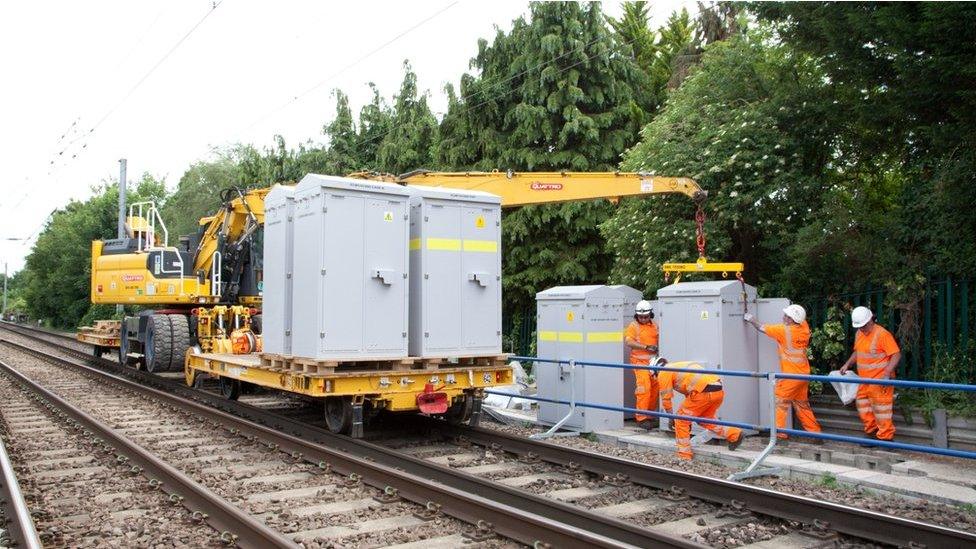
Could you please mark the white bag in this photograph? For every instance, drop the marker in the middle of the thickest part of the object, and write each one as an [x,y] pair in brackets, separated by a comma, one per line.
[846,391]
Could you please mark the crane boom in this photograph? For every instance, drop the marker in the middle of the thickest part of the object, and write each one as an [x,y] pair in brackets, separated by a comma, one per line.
[528,188]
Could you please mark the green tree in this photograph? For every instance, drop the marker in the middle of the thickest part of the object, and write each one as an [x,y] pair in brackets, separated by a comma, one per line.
[734,125]
[59,265]
[412,138]
[343,153]
[554,93]
[198,192]
[634,31]
[375,123]
[675,52]
[903,75]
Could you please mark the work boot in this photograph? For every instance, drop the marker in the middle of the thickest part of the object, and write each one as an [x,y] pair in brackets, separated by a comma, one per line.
[733,444]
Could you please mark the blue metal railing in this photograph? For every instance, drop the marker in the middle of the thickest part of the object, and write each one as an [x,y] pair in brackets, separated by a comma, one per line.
[772,377]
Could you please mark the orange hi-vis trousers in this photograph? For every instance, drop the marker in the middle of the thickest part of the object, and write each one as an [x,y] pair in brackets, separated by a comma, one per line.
[875,405]
[703,405]
[793,392]
[645,392]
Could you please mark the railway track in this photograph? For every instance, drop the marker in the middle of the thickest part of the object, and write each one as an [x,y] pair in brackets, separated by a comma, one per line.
[204,435]
[555,482]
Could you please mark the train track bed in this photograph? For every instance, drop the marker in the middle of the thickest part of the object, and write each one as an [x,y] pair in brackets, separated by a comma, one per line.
[712,520]
[79,494]
[698,521]
[304,502]
[963,519]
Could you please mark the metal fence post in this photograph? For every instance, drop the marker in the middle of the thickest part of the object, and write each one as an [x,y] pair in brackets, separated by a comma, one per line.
[572,408]
[753,470]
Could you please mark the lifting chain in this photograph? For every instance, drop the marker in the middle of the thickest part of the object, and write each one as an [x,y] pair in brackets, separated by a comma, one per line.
[700,230]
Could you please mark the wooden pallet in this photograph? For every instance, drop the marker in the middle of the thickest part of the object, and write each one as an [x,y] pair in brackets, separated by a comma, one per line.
[311,366]
[433,363]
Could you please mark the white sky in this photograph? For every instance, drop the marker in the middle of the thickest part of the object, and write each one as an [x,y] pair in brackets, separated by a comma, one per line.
[65,64]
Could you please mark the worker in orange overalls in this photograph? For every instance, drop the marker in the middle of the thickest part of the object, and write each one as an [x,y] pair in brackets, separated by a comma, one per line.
[703,397]
[642,338]
[793,338]
[876,354]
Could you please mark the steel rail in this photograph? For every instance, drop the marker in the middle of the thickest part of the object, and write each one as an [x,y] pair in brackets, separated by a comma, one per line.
[235,525]
[524,517]
[19,530]
[844,519]
[848,520]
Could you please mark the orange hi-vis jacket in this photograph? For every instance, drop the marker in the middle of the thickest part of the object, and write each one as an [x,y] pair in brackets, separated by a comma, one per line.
[645,334]
[683,382]
[873,351]
[793,342]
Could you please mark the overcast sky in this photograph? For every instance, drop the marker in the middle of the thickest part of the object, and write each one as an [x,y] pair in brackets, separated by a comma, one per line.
[249,70]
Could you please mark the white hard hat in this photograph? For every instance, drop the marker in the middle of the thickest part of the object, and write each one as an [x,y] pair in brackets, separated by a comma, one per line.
[796,312]
[861,316]
[643,307]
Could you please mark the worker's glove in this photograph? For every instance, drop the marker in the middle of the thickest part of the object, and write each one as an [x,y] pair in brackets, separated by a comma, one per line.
[748,317]
[651,348]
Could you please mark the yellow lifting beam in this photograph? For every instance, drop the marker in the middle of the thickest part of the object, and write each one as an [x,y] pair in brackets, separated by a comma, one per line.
[703,266]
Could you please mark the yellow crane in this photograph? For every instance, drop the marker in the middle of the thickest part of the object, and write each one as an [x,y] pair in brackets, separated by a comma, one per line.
[207,289]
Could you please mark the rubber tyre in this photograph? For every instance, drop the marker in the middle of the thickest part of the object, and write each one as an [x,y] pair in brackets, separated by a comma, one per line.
[257,324]
[230,388]
[338,414]
[97,351]
[159,340]
[180,341]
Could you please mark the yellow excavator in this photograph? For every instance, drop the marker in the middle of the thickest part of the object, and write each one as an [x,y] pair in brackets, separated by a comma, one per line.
[206,291]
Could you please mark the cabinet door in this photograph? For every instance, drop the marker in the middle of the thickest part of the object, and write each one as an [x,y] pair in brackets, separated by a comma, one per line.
[442,277]
[385,289]
[481,284]
[341,308]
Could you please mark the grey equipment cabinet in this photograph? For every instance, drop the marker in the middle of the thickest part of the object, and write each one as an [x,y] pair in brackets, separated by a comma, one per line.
[455,273]
[279,206]
[702,322]
[350,269]
[581,323]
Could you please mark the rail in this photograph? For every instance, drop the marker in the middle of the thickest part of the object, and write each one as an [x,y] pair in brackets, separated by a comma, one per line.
[528,518]
[235,525]
[848,520]
[19,528]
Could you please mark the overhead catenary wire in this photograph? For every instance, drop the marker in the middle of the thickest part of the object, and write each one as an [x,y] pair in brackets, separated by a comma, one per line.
[140,82]
[53,166]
